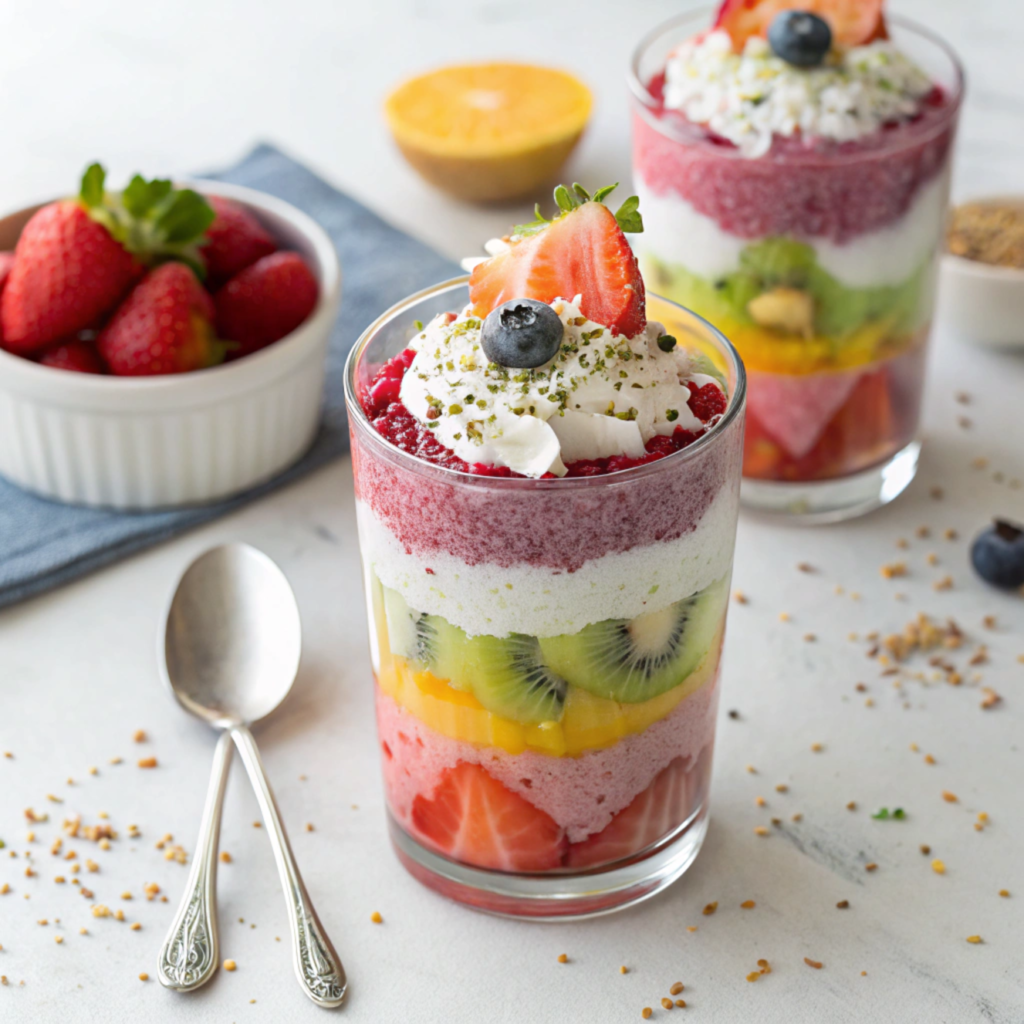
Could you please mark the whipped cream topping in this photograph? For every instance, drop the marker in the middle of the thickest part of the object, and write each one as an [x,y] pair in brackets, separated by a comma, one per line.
[601,395]
[752,97]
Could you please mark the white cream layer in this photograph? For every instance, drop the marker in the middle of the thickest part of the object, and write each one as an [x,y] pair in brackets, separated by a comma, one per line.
[487,599]
[676,233]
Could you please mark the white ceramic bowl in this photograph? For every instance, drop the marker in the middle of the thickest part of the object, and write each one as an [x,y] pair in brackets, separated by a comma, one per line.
[137,443]
[980,302]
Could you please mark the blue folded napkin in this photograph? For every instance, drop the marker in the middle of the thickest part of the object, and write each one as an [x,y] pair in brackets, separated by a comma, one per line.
[44,544]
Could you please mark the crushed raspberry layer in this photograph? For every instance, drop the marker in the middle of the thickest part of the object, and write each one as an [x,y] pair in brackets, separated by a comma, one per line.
[835,191]
[391,419]
[550,527]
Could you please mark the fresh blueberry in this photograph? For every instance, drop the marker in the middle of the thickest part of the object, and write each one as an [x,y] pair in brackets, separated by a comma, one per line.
[522,334]
[800,38]
[998,555]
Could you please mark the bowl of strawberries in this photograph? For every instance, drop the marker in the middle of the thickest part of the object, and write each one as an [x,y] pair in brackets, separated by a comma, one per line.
[160,346]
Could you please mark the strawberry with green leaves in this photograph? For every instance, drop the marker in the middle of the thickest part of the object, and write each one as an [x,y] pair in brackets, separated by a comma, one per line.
[583,251]
[164,326]
[77,258]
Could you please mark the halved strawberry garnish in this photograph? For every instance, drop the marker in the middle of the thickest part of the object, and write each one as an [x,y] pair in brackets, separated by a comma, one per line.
[853,22]
[663,806]
[474,818]
[583,252]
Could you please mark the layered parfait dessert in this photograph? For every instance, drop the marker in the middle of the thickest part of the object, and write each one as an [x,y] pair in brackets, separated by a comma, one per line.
[547,489]
[793,163]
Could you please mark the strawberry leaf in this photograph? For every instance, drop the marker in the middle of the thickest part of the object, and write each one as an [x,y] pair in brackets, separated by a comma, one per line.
[581,192]
[566,201]
[539,223]
[602,193]
[628,216]
[91,192]
[182,217]
[141,196]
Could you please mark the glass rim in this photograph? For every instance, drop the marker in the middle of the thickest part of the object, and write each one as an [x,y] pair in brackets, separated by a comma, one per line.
[358,417]
[642,95]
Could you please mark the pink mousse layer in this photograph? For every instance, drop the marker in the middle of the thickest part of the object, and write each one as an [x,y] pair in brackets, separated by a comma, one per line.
[848,191]
[581,794]
[554,524]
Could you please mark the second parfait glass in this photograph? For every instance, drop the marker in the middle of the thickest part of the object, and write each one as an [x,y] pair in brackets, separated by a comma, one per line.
[598,803]
[819,263]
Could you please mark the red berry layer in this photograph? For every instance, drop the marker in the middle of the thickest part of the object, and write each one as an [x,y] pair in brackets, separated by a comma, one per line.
[836,191]
[553,527]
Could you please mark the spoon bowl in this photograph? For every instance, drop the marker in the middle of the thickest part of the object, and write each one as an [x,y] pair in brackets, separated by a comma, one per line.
[233,637]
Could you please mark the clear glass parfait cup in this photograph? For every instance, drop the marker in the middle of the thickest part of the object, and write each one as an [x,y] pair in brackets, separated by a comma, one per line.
[477,585]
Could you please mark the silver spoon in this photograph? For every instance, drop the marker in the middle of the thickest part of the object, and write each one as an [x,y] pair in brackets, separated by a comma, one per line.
[230,654]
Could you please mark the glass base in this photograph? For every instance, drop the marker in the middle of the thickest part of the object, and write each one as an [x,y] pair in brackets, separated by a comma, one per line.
[556,896]
[832,501]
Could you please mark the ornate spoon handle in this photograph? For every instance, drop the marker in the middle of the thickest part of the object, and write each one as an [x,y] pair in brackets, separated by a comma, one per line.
[189,955]
[317,965]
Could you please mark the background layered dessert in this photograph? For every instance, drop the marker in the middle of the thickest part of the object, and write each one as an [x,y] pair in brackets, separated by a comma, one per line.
[548,574]
[796,198]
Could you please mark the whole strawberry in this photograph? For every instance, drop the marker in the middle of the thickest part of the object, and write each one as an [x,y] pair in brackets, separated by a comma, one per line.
[265,302]
[77,258]
[235,240]
[75,355]
[164,326]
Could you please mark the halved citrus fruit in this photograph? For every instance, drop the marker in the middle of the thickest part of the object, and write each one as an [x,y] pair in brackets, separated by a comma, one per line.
[486,132]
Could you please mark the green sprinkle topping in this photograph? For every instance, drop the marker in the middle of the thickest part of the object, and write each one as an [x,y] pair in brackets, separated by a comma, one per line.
[666,343]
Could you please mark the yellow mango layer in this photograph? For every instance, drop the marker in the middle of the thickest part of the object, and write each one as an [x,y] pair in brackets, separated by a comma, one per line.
[588,723]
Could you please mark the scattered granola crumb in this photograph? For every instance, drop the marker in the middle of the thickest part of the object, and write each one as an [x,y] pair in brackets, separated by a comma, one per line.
[989,698]
[116,760]
[58,939]
[119,915]
[925,849]
[929,759]
[139,736]
[843,904]
[147,762]
[230,965]
[784,616]
[740,598]
[872,866]
[974,939]
[852,805]
[83,931]
[760,830]
[797,817]
[950,798]
[562,958]
[805,567]
[781,788]
[143,976]
[760,801]
[376,918]
[746,905]
[946,583]
[93,770]
[810,638]
[225,857]
[893,569]
[623,969]
[754,976]
[816,964]
[710,909]
[681,1002]
[691,927]
[734,714]
[1005,893]
[257,824]
[817,748]
[938,867]
[751,769]
[936,493]
[666,1003]
[676,988]
[646,1013]
[135,926]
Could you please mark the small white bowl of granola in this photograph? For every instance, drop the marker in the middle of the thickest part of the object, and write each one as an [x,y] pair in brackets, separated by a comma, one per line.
[981,284]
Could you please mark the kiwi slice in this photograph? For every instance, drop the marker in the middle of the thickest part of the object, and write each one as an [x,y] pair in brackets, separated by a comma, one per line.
[633,660]
[510,678]
[428,641]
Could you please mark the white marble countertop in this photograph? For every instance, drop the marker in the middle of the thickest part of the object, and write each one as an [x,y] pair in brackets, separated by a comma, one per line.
[173,90]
